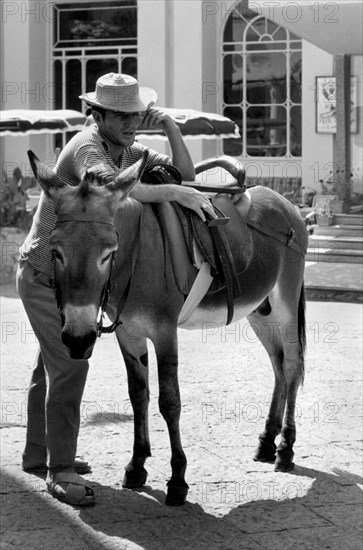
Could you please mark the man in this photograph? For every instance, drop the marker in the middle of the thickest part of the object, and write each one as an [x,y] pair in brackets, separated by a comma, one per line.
[119,107]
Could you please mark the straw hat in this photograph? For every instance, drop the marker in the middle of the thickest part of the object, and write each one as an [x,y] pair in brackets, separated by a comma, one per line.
[120,92]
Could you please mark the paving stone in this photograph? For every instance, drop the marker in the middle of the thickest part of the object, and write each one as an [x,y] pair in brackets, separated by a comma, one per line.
[233,502]
[347,516]
[54,537]
[269,516]
[315,538]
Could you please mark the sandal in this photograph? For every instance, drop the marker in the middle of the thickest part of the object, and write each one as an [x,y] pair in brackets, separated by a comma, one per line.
[80,467]
[70,488]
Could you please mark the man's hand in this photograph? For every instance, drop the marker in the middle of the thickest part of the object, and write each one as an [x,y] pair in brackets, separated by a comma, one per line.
[195,200]
[157,118]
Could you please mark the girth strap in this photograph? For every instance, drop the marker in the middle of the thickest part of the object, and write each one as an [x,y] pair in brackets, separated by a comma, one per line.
[288,239]
[213,189]
[233,289]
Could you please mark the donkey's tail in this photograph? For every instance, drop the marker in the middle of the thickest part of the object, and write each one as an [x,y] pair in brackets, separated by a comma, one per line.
[302,328]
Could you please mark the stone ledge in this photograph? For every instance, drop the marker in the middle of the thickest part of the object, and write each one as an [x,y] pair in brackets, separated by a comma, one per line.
[334,295]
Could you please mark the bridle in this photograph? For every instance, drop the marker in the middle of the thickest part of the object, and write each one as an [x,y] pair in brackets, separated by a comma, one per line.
[107,220]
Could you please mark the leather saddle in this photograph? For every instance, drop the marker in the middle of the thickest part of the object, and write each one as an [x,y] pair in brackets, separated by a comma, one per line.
[225,244]
[218,241]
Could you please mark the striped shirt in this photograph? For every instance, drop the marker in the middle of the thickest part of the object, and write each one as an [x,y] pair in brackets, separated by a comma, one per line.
[84,150]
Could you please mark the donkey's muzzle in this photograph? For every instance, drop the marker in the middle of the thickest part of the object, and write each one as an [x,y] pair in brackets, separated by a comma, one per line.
[80,347]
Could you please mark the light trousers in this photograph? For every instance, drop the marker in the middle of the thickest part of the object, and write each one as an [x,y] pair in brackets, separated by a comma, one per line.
[57,383]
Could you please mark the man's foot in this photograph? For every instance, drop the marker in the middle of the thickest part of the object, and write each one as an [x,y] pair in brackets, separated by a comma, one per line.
[70,488]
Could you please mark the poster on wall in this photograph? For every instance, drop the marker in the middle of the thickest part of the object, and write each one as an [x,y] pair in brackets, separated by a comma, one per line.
[326,120]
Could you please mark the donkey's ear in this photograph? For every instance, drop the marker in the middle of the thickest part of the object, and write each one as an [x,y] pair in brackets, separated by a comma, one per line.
[127,179]
[48,180]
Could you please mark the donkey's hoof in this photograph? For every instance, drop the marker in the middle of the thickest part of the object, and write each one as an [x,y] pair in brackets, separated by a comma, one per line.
[176,496]
[266,452]
[134,478]
[283,462]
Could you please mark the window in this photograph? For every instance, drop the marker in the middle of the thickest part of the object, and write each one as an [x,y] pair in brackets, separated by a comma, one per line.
[90,40]
[261,86]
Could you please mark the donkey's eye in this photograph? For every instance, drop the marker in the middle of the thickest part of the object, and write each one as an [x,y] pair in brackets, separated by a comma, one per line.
[57,256]
[106,258]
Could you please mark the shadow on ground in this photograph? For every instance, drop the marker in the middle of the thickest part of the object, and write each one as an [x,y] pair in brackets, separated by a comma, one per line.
[327,516]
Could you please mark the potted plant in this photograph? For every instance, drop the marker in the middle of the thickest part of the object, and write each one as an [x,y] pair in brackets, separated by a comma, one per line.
[15,221]
[324,214]
[331,185]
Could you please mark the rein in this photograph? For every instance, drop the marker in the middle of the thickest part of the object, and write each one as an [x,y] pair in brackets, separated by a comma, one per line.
[103,305]
[107,220]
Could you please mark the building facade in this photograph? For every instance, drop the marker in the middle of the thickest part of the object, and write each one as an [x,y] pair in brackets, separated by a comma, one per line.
[226,57]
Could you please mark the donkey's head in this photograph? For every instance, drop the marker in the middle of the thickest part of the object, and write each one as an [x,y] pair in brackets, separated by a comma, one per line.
[83,243]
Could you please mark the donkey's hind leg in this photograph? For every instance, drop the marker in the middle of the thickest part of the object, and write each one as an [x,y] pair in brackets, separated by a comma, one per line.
[290,315]
[282,333]
[265,328]
[134,351]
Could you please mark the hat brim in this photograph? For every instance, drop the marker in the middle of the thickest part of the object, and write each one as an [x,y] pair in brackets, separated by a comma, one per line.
[148,98]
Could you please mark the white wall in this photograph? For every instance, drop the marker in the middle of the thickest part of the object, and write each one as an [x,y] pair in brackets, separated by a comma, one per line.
[15,78]
[170,57]
[317,159]
[317,148]
[357,139]
[211,63]
[152,55]
[26,82]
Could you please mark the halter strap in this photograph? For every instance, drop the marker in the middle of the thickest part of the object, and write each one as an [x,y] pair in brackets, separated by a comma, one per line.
[117,322]
[84,217]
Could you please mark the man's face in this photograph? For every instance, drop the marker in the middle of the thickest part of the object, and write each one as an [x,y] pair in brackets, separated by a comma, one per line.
[120,128]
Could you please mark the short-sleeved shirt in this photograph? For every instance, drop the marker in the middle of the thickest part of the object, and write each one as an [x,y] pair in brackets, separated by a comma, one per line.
[84,150]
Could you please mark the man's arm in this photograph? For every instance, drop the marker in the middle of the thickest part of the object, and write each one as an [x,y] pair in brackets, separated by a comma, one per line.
[185,196]
[181,158]
[92,159]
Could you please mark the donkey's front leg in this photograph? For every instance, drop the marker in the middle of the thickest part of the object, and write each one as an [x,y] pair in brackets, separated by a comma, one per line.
[134,351]
[166,348]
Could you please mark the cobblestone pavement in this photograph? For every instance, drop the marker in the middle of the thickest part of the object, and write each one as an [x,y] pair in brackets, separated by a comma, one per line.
[233,503]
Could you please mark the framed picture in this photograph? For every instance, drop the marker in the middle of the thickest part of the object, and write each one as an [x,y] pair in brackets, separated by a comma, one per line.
[326,120]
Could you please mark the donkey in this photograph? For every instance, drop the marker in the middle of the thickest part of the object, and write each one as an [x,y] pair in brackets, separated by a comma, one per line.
[110,255]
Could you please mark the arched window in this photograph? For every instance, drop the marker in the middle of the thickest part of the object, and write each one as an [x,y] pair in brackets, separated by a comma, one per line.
[261,85]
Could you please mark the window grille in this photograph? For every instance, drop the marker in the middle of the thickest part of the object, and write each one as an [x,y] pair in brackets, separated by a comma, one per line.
[261,86]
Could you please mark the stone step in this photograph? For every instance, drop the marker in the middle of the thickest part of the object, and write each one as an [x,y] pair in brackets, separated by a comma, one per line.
[348,219]
[332,280]
[336,242]
[339,230]
[333,255]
